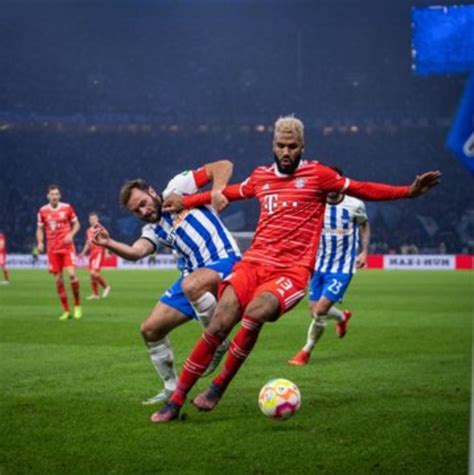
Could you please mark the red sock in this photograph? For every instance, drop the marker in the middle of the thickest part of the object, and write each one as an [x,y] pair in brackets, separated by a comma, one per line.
[75,292]
[195,365]
[101,281]
[5,274]
[62,296]
[95,288]
[239,349]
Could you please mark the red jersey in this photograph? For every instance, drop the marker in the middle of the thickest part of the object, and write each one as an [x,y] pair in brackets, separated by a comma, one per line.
[292,209]
[57,223]
[3,244]
[94,249]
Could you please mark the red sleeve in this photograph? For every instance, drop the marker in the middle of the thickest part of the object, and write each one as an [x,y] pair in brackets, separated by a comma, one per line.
[40,217]
[200,177]
[369,191]
[199,199]
[238,191]
[71,214]
[247,188]
[330,180]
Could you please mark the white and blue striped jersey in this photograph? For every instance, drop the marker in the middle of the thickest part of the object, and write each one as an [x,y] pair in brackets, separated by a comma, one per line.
[197,235]
[339,242]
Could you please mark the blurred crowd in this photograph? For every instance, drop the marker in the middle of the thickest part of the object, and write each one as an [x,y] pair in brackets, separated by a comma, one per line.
[90,168]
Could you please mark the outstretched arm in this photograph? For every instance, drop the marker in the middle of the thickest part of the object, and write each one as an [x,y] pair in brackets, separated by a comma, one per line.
[140,248]
[423,183]
[366,190]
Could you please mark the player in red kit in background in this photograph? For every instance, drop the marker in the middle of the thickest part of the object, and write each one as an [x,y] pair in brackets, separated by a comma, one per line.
[96,258]
[274,272]
[60,223]
[3,259]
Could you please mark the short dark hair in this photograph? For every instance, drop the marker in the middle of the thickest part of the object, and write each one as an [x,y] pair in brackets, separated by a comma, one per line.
[128,186]
[54,187]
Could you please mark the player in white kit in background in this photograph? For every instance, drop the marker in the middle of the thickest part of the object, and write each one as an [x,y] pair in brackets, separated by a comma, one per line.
[346,226]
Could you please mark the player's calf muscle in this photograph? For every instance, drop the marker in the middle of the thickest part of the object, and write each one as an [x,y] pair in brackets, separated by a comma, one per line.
[226,316]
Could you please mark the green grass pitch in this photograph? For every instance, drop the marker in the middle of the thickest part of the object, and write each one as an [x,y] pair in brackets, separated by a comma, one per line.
[393,396]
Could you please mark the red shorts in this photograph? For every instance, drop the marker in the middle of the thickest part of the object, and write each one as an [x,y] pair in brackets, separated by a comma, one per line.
[3,260]
[57,261]
[249,279]
[95,261]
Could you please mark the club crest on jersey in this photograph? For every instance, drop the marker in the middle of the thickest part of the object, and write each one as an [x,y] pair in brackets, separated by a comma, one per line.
[181,215]
[62,215]
[300,182]
[265,187]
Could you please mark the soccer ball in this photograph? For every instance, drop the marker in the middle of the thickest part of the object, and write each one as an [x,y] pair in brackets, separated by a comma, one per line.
[279,399]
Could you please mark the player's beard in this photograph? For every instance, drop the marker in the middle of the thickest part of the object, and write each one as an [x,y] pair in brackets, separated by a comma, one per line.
[155,218]
[289,169]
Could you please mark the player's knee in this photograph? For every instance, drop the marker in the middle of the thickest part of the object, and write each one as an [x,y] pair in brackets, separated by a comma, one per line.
[151,332]
[319,309]
[195,285]
[192,288]
[264,309]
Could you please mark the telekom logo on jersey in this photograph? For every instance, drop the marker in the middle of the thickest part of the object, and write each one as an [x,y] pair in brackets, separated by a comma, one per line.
[270,203]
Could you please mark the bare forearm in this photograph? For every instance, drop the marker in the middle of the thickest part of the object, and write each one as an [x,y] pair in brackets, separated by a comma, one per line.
[124,250]
[365,237]
[86,247]
[39,236]
[75,228]
[219,172]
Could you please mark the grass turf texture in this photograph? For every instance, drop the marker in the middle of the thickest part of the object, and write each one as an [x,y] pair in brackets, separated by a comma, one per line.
[391,397]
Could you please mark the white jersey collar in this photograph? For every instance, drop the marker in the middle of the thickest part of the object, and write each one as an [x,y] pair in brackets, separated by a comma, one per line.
[60,205]
[284,175]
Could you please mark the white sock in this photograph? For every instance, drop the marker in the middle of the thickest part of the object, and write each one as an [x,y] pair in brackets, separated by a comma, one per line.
[315,332]
[335,314]
[204,307]
[162,357]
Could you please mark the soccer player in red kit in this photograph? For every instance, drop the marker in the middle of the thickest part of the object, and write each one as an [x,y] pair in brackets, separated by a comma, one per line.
[3,259]
[60,223]
[96,258]
[274,272]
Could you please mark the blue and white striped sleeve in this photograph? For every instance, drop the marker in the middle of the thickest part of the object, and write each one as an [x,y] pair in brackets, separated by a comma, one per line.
[148,233]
